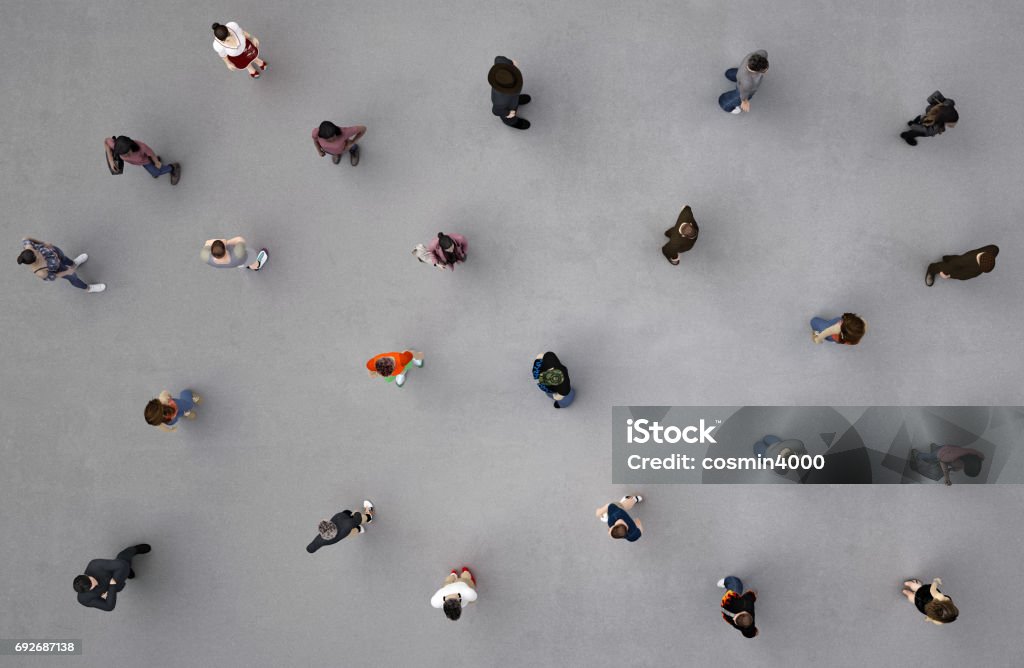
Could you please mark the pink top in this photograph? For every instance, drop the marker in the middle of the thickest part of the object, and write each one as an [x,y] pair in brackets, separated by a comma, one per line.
[951,454]
[140,157]
[336,145]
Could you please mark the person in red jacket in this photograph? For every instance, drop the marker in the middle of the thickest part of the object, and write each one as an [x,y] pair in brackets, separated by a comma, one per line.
[392,365]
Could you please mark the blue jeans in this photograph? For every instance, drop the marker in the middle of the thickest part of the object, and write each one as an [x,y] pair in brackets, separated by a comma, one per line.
[820,325]
[185,404]
[762,446]
[72,278]
[565,401]
[158,171]
[733,583]
[729,100]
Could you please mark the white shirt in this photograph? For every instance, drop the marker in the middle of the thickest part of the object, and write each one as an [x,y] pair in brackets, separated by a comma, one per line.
[224,51]
[458,587]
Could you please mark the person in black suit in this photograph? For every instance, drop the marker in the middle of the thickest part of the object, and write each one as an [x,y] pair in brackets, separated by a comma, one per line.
[940,115]
[681,237]
[344,524]
[506,86]
[104,578]
[963,267]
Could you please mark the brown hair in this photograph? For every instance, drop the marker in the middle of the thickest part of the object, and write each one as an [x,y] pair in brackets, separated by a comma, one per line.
[217,249]
[987,262]
[619,531]
[852,329]
[157,413]
[942,611]
[743,620]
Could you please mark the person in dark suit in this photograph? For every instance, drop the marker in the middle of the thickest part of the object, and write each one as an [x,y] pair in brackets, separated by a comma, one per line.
[940,115]
[506,86]
[344,524]
[104,578]
[963,267]
[681,237]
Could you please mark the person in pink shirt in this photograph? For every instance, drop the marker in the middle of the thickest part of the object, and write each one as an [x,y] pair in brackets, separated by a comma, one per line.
[123,149]
[942,459]
[329,138]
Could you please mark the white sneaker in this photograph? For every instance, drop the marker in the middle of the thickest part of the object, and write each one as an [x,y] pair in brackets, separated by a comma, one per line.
[400,380]
[737,110]
[418,363]
[368,505]
[81,259]
[97,287]
[721,583]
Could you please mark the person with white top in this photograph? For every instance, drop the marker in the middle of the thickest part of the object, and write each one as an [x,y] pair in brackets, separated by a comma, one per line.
[238,49]
[458,592]
[233,253]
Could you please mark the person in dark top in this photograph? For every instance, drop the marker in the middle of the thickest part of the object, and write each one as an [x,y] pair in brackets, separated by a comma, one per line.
[506,86]
[936,607]
[104,578]
[940,115]
[620,524]
[345,523]
[963,267]
[681,237]
[737,608]
[553,379]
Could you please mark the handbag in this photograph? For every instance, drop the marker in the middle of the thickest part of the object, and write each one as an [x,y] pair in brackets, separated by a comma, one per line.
[118,164]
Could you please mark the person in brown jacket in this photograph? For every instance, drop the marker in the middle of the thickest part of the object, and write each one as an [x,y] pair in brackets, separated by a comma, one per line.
[963,267]
[681,237]
[940,115]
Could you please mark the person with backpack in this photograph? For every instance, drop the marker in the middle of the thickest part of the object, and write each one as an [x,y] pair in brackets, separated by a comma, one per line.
[444,252]
[553,379]
[940,115]
[165,410]
[124,149]
[49,263]
[391,366]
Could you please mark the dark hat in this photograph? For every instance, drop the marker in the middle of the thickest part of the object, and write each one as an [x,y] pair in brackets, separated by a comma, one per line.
[505,78]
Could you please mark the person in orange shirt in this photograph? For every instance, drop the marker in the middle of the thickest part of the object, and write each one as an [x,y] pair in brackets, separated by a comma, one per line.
[392,365]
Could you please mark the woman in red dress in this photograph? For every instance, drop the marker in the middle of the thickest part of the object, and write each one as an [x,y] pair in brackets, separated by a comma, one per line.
[238,49]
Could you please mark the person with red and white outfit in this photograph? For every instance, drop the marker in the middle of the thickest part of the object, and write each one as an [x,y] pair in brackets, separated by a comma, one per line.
[459,590]
[238,49]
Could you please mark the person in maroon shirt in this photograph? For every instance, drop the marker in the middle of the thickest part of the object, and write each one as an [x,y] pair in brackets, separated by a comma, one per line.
[329,138]
[124,149]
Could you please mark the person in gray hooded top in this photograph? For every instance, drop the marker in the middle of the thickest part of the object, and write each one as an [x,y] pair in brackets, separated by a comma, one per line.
[748,78]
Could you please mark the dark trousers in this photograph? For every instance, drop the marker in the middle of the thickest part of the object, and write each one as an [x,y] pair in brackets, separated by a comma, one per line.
[127,554]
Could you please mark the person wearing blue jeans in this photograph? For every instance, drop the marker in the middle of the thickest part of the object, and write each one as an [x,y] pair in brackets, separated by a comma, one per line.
[738,606]
[819,325]
[747,78]
[50,263]
[847,329]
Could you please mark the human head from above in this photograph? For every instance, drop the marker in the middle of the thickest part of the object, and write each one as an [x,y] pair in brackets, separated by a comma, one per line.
[157,413]
[757,63]
[328,130]
[852,328]
[688,230]
[83,583]
[972,465]
[385,366]
[453,607]
[218,249]
[328,530]
[618,531]
[124,145]
[986,262]
[220,32]
[551,377]
[26,257]
[743,620]
[942,611]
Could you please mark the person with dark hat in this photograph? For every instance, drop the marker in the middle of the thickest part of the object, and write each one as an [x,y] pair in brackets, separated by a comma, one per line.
[448,250]
[506,92]
[738,606]
[681,237]
[963,267]
[940,115]
[104,578]
[49,263]
[553,379]
[125,149]
[329,138]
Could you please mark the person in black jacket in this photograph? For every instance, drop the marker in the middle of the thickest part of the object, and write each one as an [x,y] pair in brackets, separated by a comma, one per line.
[506,85]
[104,578]
[681,237]
[940,116]
[738,608]
[553,379]
[964,267]
[346,523]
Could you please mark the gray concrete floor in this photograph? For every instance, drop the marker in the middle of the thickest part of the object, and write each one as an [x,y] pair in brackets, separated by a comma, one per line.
[809,205]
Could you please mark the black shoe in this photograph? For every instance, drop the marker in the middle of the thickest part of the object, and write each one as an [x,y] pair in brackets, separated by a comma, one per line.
[929,279]
[143,548]
[131,573]
[336,159]
[523,124]
[524,99]
[556,405]
[909,138]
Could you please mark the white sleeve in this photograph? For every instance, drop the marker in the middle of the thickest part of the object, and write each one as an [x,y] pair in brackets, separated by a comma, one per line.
[237,29]
[219,48]
[437,600]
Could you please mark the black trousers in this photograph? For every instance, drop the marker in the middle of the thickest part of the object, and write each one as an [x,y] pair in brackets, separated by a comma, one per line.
[127,554]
